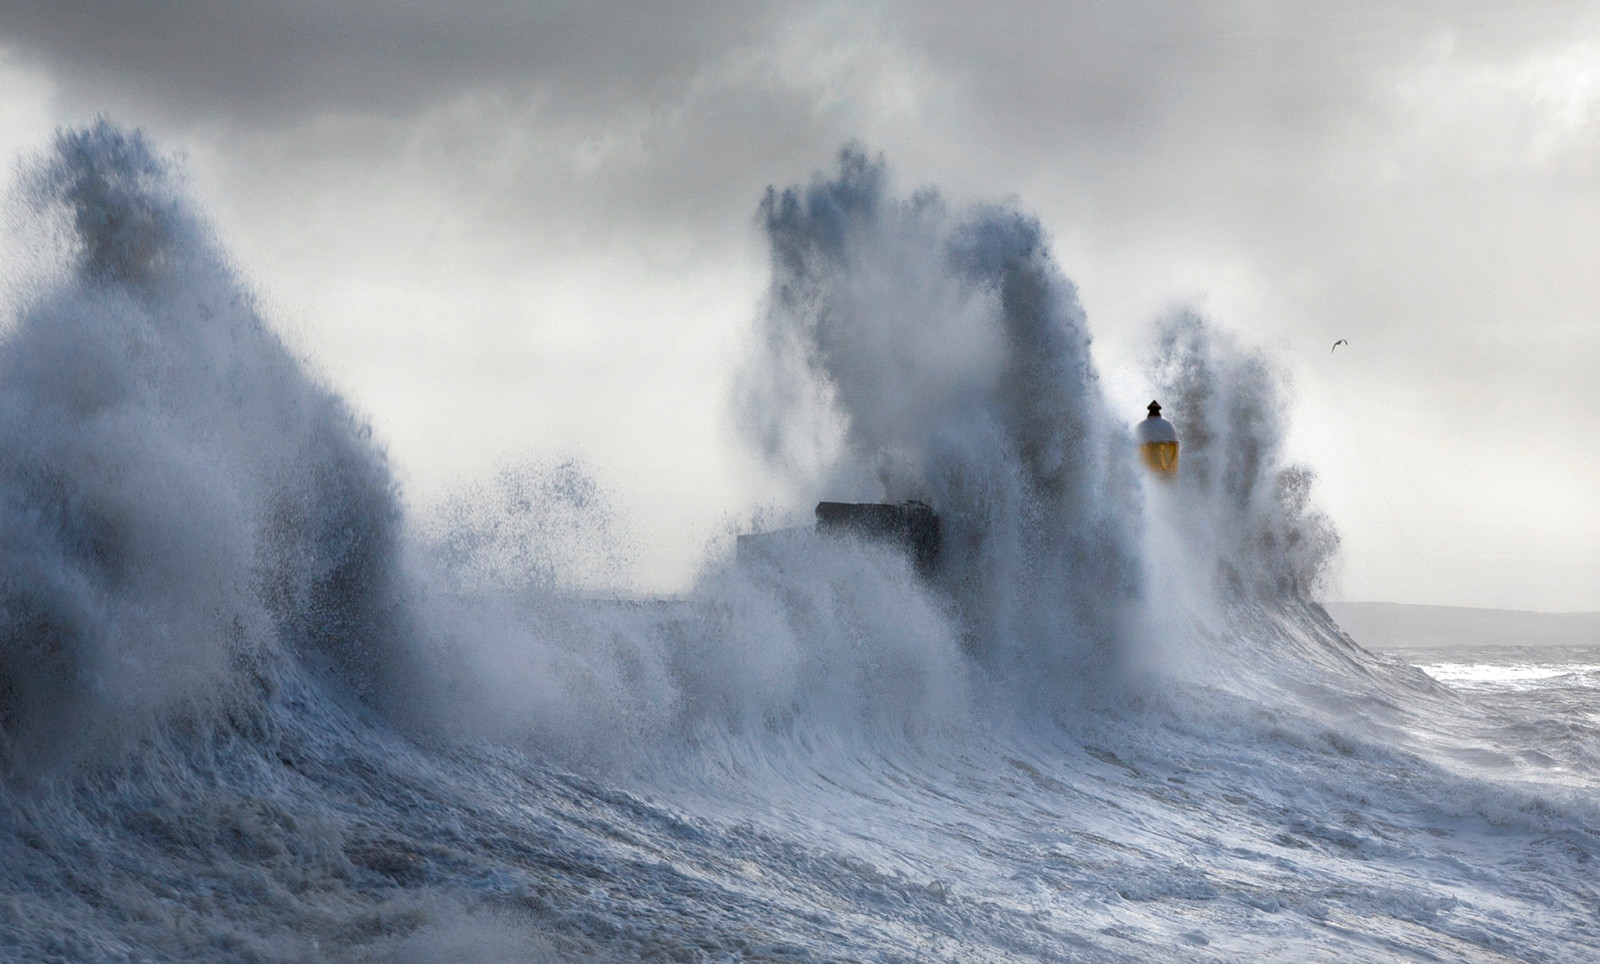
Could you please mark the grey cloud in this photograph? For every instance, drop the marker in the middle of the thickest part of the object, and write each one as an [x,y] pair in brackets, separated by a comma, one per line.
[1047,73]
[269,60]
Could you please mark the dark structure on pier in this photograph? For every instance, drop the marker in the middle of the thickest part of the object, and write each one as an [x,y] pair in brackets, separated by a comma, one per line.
[911,526]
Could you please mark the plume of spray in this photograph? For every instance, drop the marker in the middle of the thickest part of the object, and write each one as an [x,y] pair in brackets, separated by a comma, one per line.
[1232,546]
[1245,507]
[535,528]
[182,507]
[832,641]
[910,348]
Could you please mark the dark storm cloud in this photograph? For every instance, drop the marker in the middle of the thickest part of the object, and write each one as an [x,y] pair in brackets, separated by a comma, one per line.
[253,60]
[1045,73]
[1118,93]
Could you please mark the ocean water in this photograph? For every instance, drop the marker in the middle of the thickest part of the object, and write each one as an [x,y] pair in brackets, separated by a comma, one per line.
[254,707]
[1536,708]
[1566,673]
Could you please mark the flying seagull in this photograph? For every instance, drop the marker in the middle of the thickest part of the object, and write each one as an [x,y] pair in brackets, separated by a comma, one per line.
[1336,345]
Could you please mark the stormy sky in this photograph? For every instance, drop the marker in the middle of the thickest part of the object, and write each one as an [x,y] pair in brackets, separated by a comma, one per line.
[527,232]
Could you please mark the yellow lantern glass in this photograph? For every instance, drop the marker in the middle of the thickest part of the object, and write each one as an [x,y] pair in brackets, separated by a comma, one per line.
[1160,457]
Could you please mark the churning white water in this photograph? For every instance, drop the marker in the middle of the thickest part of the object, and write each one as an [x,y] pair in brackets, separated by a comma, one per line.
[249,710]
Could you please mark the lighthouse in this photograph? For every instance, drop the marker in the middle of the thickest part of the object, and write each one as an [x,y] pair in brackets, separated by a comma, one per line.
[1158,442]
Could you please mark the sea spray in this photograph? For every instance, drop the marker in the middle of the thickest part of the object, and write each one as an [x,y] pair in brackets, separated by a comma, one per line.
[819,640]
[1244,505]
[912,348]
[907,348]
[190,508]
[535,527]
[181,505]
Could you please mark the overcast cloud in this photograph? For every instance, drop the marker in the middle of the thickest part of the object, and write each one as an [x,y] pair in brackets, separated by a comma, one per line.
[512,232]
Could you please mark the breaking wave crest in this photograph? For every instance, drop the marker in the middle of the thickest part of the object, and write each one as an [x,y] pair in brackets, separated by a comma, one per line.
[182,507]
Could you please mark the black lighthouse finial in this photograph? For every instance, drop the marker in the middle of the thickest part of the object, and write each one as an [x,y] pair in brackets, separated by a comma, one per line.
[1155,409]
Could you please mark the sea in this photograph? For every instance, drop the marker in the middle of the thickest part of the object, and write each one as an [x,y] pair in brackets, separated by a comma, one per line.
[255,705]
